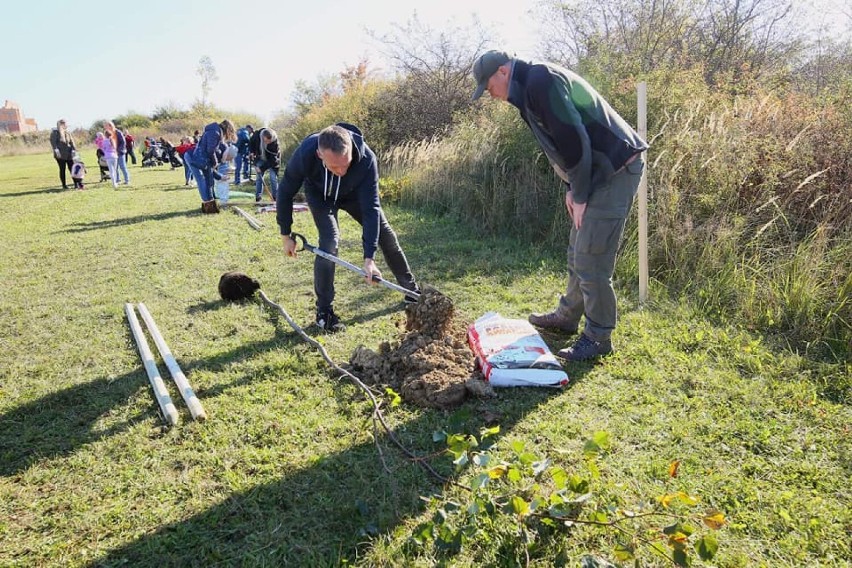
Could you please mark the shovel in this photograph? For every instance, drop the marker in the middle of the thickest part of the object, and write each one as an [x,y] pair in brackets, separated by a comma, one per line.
[349,266]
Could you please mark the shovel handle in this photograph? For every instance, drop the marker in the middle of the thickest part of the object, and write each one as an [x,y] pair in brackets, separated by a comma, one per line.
[349,266]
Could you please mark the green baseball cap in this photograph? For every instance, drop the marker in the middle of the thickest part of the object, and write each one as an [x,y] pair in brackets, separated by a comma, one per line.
[485,66]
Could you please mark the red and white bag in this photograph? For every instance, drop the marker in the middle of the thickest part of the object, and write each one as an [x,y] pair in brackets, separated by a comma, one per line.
[511,353]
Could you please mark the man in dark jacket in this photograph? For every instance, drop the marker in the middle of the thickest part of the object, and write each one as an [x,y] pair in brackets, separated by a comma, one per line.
[242,161]
[339,172]
[264,150]
[599,158]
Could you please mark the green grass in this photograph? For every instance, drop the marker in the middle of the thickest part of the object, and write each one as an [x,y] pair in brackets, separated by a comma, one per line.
[285,471]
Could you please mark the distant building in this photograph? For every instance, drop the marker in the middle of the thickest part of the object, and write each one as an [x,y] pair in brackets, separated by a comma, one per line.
[13,120]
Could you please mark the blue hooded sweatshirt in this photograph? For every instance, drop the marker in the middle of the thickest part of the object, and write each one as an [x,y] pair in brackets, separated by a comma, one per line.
[325,191]
[204,155]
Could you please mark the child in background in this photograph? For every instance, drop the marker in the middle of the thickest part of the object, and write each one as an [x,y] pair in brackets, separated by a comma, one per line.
[222,186]
[110,155]
[186,144]
[78,171]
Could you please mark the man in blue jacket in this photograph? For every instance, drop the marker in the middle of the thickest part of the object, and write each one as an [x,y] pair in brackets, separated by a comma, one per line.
[339,172]
[242,160]
[598,156]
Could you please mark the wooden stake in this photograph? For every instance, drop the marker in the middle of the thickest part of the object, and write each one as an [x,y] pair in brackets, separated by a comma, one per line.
[642,103]
[180,379]
[165,401]
[255,224]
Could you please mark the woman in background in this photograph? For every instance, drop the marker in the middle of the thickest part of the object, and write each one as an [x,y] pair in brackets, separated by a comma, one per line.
[63,149]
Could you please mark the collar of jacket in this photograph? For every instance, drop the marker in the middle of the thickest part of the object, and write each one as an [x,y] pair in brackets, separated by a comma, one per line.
[518,82]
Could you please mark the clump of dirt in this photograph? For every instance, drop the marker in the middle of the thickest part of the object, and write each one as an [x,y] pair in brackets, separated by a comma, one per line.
[430,365]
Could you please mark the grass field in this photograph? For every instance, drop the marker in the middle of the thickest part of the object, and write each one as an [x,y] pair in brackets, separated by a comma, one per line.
[286,471]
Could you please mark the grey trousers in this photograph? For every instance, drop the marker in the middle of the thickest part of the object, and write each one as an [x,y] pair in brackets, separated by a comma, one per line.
[592,251]
[325,218]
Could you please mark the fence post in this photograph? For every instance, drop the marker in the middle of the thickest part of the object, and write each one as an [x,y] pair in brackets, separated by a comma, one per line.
[642,120]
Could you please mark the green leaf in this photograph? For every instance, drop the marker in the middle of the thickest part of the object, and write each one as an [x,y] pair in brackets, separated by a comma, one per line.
[439,436]
[514,475]
[424,533]
[517,446]
[461,461]
[519,506]
[480,481]
[577,484]
[593,469]
[527,458]
[488,432]
[602,439]
[707,547]
[624,551]
[680,558]
[559,477]
[457,443]
[393,396]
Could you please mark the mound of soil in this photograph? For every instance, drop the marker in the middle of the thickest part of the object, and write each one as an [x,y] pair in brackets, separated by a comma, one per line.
[430,365]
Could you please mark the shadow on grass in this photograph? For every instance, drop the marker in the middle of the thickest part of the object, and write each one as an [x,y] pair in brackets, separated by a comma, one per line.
[85,227]
[59,423]
[36,191]
[328,512]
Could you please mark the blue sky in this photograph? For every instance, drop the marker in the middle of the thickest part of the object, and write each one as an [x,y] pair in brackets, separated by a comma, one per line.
[86,60]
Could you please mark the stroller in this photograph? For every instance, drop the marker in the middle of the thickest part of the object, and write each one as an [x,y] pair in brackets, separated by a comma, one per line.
[170,155]
[102,165]
[154,156]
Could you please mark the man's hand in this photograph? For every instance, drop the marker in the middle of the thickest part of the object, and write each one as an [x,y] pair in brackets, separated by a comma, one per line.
[289,245]
[569,204]
[575,210]
[579,211]
[370,270]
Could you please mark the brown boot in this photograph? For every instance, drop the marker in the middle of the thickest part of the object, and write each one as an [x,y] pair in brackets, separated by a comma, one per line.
[209,206]
[553,320]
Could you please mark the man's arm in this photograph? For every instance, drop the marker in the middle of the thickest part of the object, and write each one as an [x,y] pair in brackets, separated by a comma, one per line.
[368,196]
[291,183]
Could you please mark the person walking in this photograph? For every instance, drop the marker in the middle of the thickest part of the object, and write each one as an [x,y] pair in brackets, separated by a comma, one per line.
[120,143]
[186,145]
[63,149]
[107,146]
[131,143]
[242,160]
[599,158]
[264,150]
[204,160]
[339,172]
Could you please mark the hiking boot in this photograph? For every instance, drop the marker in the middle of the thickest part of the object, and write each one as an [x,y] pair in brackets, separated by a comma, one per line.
[553,320]
[586,348]
[209,206]
[328,321]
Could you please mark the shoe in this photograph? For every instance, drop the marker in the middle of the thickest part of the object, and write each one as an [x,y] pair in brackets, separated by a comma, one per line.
[209,206]
[327,320]
[586,348]
[257,199]
[553,320]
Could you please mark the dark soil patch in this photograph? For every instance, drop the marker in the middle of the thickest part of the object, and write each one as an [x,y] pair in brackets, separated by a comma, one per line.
[430,364]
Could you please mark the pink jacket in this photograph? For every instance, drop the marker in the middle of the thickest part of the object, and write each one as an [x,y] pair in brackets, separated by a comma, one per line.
[105,144]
